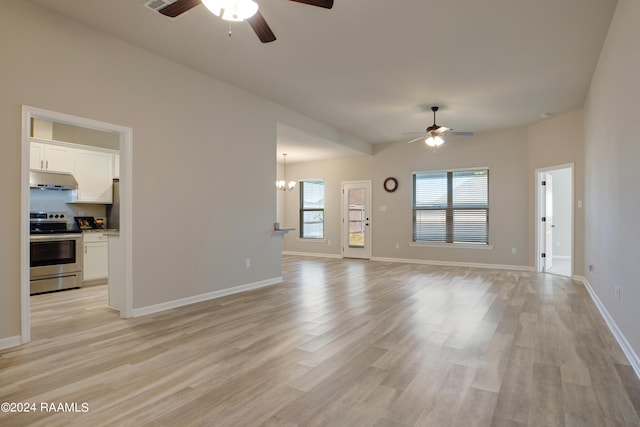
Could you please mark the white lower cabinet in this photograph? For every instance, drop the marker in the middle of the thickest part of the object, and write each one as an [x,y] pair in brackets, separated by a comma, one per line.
[96,257]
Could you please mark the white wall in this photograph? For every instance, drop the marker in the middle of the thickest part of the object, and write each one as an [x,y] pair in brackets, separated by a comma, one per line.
[612,198]
[512,155]
[554,142]
[504,152]
[85,136]
[191,141]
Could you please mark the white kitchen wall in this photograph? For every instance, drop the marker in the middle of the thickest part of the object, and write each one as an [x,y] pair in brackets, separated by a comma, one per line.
[84,136]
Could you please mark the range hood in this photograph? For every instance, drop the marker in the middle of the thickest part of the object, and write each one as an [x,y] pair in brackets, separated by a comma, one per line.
[52,181]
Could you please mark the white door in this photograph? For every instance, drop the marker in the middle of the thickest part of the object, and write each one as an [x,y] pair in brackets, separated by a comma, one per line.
[548,223]
[356,219]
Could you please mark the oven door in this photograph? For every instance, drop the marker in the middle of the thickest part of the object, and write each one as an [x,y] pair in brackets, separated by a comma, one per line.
[55,254]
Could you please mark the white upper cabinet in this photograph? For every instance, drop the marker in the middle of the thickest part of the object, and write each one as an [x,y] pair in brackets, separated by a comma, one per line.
[94,173]
[94,169]
[52,158]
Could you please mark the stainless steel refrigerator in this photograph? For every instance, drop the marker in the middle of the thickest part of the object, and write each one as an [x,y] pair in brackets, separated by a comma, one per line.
[113,210]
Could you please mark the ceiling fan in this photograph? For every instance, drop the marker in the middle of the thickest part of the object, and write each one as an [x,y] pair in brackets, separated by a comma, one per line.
[233,10]
[434,133]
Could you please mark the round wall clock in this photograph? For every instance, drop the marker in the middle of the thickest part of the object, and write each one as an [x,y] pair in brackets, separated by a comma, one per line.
[390,184]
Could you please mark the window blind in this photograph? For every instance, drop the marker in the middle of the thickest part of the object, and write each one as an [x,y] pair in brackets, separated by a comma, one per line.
[451,206]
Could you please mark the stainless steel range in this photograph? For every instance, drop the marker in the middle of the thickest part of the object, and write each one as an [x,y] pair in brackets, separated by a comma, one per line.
[55,253]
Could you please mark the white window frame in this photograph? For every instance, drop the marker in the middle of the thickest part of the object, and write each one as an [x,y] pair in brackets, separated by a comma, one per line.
[302,237]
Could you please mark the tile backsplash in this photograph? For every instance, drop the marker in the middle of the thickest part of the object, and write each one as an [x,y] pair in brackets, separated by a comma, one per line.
[54,201]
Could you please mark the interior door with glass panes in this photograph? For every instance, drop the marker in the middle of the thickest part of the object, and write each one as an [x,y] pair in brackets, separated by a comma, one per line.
[356,219]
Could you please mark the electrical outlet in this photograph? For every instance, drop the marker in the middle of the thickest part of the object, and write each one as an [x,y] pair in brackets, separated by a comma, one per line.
[591,268]
[329,242]
[616,292]
[247,263]
[513,251]
[397,245]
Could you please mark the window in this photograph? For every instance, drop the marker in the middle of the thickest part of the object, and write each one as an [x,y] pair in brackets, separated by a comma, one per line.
[451,206]
[312,209]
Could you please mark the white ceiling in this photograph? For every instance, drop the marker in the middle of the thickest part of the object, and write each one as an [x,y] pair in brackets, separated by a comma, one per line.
[372,68]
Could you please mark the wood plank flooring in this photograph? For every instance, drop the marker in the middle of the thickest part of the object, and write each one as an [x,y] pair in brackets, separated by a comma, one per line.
[339,343]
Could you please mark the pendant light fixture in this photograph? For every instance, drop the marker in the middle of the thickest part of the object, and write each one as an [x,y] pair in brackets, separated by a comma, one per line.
[232,10]
[283,185]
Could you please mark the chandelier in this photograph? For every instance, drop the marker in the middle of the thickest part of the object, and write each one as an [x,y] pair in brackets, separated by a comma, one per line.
[283,185]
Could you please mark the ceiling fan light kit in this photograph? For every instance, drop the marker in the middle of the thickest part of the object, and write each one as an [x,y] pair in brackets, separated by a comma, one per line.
[434,133]
[434,141]
[232,10]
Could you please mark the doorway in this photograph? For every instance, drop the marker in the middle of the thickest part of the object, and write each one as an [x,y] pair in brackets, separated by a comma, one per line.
[125,141]
[356,219]
[554,224]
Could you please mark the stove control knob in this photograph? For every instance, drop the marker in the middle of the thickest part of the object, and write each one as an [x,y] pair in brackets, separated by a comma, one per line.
[61,216]
[50,215]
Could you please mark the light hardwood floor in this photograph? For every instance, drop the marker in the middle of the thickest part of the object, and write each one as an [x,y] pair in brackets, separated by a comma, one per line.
[339,343]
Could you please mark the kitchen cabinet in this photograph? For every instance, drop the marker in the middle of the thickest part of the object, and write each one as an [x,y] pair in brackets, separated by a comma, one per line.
[51,158]
[95,258]
[93,169]
[94,173]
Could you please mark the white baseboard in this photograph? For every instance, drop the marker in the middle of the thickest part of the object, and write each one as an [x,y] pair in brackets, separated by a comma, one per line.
[143,311]
[456,264]
[634,360]
[10,342]
[314,254]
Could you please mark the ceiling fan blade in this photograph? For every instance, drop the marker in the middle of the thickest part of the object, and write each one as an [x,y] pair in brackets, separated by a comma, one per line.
[178,8]
[416,139]
[261,28]
[327,4]
[442,129]
[459,133]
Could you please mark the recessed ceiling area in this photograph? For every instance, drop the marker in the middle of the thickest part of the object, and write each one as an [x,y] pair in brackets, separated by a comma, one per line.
[373,68]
